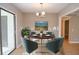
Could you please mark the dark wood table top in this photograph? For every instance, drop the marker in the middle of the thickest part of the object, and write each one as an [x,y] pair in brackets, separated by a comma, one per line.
[43,36]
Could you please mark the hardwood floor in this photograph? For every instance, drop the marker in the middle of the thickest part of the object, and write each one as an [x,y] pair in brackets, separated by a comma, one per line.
[71,48]
[68,49]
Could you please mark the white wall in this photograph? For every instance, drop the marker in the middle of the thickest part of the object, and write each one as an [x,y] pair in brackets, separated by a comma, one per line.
[19,23]
[29,20]
[74,29]
[67,10]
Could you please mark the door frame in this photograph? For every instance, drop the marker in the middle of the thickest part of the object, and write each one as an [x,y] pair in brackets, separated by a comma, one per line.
[60,18]
[14,30]
[63,25]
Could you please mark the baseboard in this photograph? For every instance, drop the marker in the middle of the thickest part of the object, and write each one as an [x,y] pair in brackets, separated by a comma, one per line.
[73,41]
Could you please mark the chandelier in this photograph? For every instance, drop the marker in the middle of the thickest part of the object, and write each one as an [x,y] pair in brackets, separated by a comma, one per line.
[42,13]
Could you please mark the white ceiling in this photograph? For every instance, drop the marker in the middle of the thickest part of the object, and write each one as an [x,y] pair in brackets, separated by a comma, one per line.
[75,13]
[36,7]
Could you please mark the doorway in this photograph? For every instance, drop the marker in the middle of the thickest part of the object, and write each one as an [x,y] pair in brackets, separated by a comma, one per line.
[65,27]
[66,34]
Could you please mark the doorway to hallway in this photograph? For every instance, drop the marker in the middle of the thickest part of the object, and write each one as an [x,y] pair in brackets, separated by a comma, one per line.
[65,27]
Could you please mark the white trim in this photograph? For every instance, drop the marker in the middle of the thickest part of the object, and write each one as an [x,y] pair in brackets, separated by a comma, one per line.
[73,41]
[70,12]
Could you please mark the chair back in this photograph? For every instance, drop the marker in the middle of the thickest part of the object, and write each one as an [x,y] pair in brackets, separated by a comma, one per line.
[33,32]
[59,42]
[50,33]
[30,46]
[55,45]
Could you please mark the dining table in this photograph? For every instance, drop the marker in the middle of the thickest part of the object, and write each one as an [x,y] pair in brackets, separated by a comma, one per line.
[42,37]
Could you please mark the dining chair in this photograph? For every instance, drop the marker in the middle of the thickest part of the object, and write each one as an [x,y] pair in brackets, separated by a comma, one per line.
[33,32]
[56,45]
[50,33]
[29,45]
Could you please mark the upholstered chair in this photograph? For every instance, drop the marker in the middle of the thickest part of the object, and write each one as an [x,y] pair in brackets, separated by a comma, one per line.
[29,45]
[56,45]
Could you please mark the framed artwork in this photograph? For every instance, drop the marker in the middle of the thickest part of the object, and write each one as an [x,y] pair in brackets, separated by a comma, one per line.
[41,25]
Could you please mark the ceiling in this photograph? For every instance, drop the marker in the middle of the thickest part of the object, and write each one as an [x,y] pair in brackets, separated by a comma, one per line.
[75,13]
[36,7]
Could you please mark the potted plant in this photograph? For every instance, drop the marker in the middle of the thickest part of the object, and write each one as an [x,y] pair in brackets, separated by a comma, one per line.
[25,32]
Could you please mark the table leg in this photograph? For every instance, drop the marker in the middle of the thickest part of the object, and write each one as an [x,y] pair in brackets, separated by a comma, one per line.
[41,45]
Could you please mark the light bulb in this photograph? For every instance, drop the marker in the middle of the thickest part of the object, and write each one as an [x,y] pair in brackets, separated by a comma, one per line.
[42,13]
[37,14]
